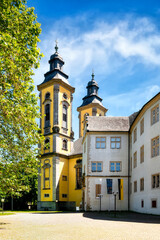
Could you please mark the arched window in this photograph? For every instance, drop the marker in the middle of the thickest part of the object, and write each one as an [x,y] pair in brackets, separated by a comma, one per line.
[64,116]
[46,143]
[47,95]
[47,113]
[65,143]
[46,174]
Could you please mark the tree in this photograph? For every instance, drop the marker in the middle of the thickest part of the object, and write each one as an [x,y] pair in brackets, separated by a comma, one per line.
[19,54]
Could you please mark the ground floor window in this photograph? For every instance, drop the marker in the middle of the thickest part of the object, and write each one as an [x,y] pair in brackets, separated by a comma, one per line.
[154,203]
[142,203]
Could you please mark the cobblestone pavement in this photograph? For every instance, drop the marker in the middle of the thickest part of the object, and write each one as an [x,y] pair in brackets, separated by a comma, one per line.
[77,226]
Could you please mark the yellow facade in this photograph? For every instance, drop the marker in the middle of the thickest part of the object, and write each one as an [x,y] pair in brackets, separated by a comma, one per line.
[47,190]
[74,193]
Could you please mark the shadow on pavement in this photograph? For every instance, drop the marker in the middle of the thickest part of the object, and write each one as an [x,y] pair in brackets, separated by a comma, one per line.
[123,216]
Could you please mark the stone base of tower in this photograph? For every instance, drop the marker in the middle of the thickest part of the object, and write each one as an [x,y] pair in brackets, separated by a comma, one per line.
[56,206]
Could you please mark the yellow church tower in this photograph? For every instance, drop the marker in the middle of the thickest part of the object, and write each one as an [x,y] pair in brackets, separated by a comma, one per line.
[91,106]
[56,126]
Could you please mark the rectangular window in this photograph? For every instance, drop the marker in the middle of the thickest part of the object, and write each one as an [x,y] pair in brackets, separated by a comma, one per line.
[135,159]
[154,114]
[135,186]
[142,203]
[98,189]
[64,195]
[142,126]
[115,142]
[142,184]
[64,178]
[154,203]
[155,147]
[46,195]
[142,154]
[135,135]
[96,166]
[100,142]
[115,166]
[156,180]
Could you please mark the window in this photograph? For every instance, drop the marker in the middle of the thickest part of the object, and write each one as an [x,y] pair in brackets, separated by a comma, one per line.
[98,189]
[142,154]
[47,96]
[96,166]
[47,113]
[78,168]
[64,116]
[46,144]
[155,146]
[64,178]
[135,159]
[135,186]
[142,203]
[46,174]
[142,184]
[115,166]
[100,142]
[64,195]
[135,135]
[154,114]
[156,180]
[64,95]
[65,143]
[142,126]
[115,142]
[46,195]
[154,203]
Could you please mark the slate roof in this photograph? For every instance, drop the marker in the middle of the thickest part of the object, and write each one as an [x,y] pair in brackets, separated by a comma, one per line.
[111,124]
[77,147]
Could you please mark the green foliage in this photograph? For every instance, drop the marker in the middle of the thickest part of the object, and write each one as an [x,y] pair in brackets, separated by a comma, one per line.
[19,32]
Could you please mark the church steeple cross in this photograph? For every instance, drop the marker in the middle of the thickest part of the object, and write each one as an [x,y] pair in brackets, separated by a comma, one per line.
[56,47]
[93,75]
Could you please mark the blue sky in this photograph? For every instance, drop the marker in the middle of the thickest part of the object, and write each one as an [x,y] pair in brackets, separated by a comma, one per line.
[119,39]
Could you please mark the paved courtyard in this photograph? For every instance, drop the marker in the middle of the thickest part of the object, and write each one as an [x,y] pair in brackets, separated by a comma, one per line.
[77,226]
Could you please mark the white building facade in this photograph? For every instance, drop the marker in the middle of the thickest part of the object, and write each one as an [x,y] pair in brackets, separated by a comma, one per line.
[105,163]
[145,159]
[121,157]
